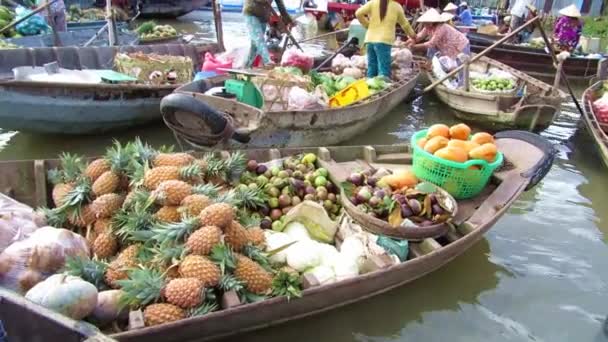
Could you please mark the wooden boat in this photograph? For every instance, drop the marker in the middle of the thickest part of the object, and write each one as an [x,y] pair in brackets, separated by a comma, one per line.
[74,38]
[537,62]
[596,129]
[537,108]
[183,114]
[529,159]
[77,108]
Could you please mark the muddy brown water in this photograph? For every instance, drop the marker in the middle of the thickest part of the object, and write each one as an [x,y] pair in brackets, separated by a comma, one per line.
[540,275]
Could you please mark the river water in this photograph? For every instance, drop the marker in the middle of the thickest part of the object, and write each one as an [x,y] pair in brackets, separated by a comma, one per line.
[540,275]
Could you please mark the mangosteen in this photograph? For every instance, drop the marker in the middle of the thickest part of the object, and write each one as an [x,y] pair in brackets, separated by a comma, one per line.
[310,190]
[380,193]
[332,197]
[371,181]
[374,201]
[331,187]
[261,169]
[364,194]
[356,179]
[264,209]
[266,223]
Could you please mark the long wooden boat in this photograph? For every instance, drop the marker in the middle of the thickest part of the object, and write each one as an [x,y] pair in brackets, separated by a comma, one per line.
[537,63]
[535,108]
[74,38]
[529,159]
[61,108]
[188,112]
[596,129]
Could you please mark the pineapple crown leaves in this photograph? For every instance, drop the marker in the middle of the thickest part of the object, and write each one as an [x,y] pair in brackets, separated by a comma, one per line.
[72,166]
[144,286]
[167,232]
[250,198]
[78,196]
[287,284]
[164,255]
[142,152]
[257,255]
[248,219]
[210,190]
[190,172]
[119,156]
[136,171]
[90,270]
[228,282]
[134,224]
[54,217]
[226,169]
[223,257]
[248,297]
[203,309]
[236,164]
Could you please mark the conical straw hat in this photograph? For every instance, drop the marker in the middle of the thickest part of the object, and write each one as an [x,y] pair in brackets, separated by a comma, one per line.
[450,7]
[570,11]
[431,16]
[446,16]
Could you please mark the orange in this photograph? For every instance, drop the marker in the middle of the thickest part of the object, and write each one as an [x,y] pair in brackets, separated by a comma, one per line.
[482,138]
[438,130]
[435,143]
[460,131]
[452,153]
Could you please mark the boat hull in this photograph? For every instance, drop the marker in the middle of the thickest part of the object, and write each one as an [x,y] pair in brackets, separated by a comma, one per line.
[593,127]
[537,63]
[502,110]
[303,128]
[58,110]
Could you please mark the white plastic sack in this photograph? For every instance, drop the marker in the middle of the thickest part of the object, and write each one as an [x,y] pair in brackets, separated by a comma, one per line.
[300,99]
[238,56]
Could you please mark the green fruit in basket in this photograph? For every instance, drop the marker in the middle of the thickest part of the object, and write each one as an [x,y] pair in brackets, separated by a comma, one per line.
[320,181]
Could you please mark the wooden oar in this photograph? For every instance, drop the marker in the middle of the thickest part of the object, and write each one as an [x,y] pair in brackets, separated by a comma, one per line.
[34,12]
[323,35]
[481,54]
[560,70]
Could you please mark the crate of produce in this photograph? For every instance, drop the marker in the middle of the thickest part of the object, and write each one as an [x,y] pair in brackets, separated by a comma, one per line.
[462,180]
[154,68]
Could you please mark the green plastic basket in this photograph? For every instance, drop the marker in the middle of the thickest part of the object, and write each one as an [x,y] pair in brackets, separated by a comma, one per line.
[456,178]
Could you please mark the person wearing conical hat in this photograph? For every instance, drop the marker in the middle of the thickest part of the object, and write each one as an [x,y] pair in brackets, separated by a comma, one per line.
[465,17]
[442,37]
[568,28]
[450,9]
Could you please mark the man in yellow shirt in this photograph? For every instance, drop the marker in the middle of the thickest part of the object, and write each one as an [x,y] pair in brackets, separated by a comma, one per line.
[381,17]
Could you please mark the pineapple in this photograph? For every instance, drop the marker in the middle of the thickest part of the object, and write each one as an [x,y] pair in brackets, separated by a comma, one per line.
[64,180]
[96,168]
[256,279]
[172,159]
[218,214]
[201,268]
[235,236]
[102,225]
[168,214]
[117,270]
[185,292]
[141,287]
[105,245]
[107,183]
[172,192]
[202,241]
[219,171]
[107,205]
[256,236]
[162,313]
[166,257]
[153,177]
[81,217]
[193,205]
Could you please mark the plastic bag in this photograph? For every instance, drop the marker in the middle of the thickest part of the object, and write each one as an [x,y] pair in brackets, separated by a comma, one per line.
[28,262]
[359,62]
[34,25]
[295,58]
[306,27]
[339,63]
[212,63]
[300,99]
[448,64]
[238,56]
[17,221]
[402,56]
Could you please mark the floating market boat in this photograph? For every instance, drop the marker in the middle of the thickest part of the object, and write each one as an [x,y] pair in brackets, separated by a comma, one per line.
[537,62]
[74,38]
[72,108]
[533,104]
[529,159]
[597,130]
[189,113]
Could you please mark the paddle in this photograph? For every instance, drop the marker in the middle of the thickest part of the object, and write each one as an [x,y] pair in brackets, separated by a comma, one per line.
[560,70]
[34,12]
[483,53]
[323,35]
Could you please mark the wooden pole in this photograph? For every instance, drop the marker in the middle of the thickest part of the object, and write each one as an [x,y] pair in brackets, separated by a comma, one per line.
[111,26]
[34,12]
[561,71]
[323,35]
[483,53]
[217,17]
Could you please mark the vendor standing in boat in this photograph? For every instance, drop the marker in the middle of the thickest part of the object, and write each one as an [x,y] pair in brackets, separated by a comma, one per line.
[257,14]
[465,17]
[442,37]
[568,28]
[55,15]
[519,12]
[380,17]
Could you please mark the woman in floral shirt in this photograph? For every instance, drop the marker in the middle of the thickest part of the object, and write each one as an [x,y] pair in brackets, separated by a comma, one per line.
[443,37]
[568,28]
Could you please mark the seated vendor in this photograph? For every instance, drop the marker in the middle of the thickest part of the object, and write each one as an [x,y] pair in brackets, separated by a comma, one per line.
[465,17]
[506,25]
[442,37]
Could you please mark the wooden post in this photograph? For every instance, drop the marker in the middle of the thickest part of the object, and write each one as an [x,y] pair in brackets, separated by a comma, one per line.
[111,26]
[558,75]
[217,17]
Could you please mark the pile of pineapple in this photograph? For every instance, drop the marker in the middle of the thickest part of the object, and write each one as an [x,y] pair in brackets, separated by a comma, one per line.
[168,230]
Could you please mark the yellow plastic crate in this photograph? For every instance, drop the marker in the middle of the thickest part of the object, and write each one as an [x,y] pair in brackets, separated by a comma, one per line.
[349,95]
